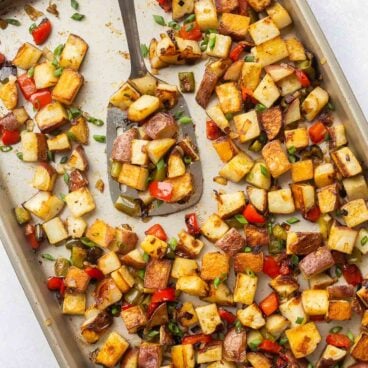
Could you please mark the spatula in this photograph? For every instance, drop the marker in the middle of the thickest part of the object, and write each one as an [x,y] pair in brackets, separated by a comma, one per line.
[117,120]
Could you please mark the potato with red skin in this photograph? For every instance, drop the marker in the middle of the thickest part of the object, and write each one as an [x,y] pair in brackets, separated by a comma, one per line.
[161,125]
[129,240]
[9,122]
[231,243]
[122,146]
[226,6]
[157,274]
[316,262]
[256,236]
[235,346]
[341,292]
[77,180]
[44,177]
[78,159]
[150,355]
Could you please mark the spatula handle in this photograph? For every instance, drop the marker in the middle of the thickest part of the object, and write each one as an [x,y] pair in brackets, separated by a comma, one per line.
[138,67]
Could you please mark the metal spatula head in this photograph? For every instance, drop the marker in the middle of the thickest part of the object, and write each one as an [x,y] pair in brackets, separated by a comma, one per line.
[117,122]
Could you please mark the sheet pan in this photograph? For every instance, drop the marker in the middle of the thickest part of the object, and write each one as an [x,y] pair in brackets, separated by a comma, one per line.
[105,67]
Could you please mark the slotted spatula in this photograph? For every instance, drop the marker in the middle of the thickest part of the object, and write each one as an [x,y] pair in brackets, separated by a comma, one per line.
[117,120]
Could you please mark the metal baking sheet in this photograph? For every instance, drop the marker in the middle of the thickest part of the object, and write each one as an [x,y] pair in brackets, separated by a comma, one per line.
[106,65]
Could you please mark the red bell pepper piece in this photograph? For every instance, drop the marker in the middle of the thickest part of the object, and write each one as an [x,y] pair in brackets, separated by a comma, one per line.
[30,234]
[194,33]
[212,130]
[42,32]
[10,137]
[313,214]
[55,283]
[338,340]
[41,99]
[269,304]
[248,94]
[2,58]
[303,78]
[26,85]
[270,346]
[271,267]
[196,339]
[94,273]
[236,51]
[165,4]
[192,224]
[251,215]
[157,231]
[317,132]
[163,295]
[352,274]
[126,306]
[227,316]
[161,190]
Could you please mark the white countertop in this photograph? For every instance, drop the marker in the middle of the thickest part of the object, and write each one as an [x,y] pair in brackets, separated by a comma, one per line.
[22,343]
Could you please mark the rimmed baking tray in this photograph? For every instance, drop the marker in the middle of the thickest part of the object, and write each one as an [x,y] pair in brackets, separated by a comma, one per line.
[106,66]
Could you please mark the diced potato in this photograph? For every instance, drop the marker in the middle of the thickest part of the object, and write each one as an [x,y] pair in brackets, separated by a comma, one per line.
[247,126]
[44,177]
[292,113]
[74,304]
[258,360]
[303,339]
[215,265]
[359,350]
[225,148]
[293,310]
[58,143]
[133,176]
[324,175]
[44,205]
[215,113]
[337,136]
[276,160]
[257,178]
[214,228]
[106,293]
[304,197]
[332,355]
[206,14]
[276,324]
[259,5]
[139,156]
[229,96]
[101,233]
[234,25]
[112,350]
[258,198]
[296,49]
[80,202]
[314,103]
[181,8]
[297,138]
[76,226]
[270,52]
[218,45]
[134,259]
[302,170]
[267,92]
[124,96]
[55,230]
[157,148]
[256,236]
[208,318]
[44,75]
[134,318]
[183,267]
[108,263]
[76,279]
[147,85]
[362,241]
[355,212]
[229,204]
[237,167]
[175,165]
[182,187]
[250,75]
[341,238]
[155,61]
[68,86]
[271,121]
[167,51]
[339,310]
[153,246]
[356,187]
[21,115]
[189,49]
[245,288]
[27,56]
[328,199]
[315,302]
[167,94]
[73,52]
[284,285]
[188,244]
[279,72]
[157,274]
[143,107]
[346,162]
[251,317]
[289,85]
[303,243]
[321,281]
[220,295]
[9,93]
[51,116]
[281,201]
[263,30]
[78,159]
[279,15]
[79,130]
[210,353]
[183,356]
[187,315]
[192,285]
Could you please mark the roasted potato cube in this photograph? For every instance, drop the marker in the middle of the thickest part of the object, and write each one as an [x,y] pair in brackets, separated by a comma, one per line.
[134,318]
[206,15]
[293,310]
[259,5]
[210,353]
[266,92]
[192,285]
[76,226]
[229,204]
[134,259]
[281,201]
[73,52]
[251,317]
[143,107]
[168,94]
[289,85]
[58,143]
[225,148]
[139,156]
[51,117]
[183,356]
[183,267]
[154,247]
[74,304]
[304,197]
[175,165]
[258,360]
[341,291]
[284,285]
[133,176]
[80,202]
[237,167]
[331,356]
[79,130]
[279,71]
[209,318]
[214,228]
[55,230]
[279,15]
[215,265]
[297,138]
[303,339]
[44,75]
[362,294]
[328,199]
[257,178]
[247,126]
[324,175]
[263,30]
[314,103]
[167,51]
[359,350]
[157,274]
[182,187]
[234,25]
[276,159]
[315,302]
[155,61]
[218,45]
[106,293]
[250,75]
[44,177]
[256,236]
[355,212]
[248,261]
[337,135]
[339,310]
[346,162]
[270,52]
[271,120]
[130,359]
[257,197]
[188,244]
[292,113]
[68,86]
[123,279]
[226,6]
[356,187]
[229,97]
[112,350]
[44,205]
[361,241]
[124,96]
[316,262]
[303,243]
[215,113]
[78,159]
[302,170]
[276,324]
[108,263]
[321,281]
[341,238]
[101,233]
[27,56]
[187,315]
[76,280]
[181,8]
[231,243]
[245,288]
[122,146]
[150,354]
[221,295]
